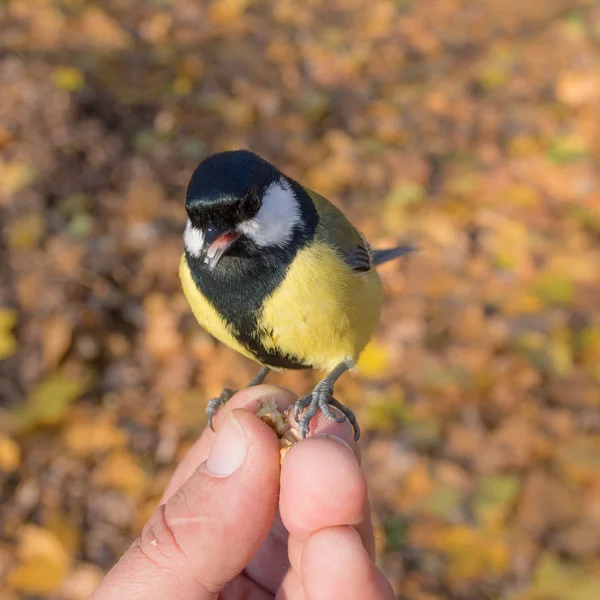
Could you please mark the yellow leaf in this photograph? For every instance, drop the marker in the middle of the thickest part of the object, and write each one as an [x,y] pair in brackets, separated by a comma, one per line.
[473,553]
[561,354]
[44,562]
[37,541]
[26,232]
[373,361]
[56,340]
[223,11]
[8,318]
[39,576]
[522,302]
[522,196]
[66,531]
[10,454]
[182,85]
[510,244]
[8,342]
[87,438]
[122,471]
[15,176]
[69,79]
[102,31]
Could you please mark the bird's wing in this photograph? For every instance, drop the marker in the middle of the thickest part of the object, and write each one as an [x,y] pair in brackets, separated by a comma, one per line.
[337,231]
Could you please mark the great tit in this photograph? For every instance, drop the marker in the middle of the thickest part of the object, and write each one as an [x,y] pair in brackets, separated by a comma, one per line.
[277,272]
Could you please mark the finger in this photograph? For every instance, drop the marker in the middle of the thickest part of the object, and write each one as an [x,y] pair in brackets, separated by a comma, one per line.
[251,398]
[270,564]
[322,426]
[212,526]
[322,486]
[247,399]
[351,576]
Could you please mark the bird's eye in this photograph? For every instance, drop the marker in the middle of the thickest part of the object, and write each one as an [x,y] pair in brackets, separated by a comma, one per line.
[253,203]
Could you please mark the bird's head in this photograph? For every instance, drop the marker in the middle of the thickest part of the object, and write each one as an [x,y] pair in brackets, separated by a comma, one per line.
[239,204]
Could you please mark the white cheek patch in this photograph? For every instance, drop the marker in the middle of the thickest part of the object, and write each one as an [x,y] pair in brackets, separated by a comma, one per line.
[279,214]
[193,239]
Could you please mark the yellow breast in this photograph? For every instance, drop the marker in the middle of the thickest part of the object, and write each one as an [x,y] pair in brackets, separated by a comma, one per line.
[323,312]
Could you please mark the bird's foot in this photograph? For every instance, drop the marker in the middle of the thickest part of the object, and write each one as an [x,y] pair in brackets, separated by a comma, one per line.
[216,403]
[322,398]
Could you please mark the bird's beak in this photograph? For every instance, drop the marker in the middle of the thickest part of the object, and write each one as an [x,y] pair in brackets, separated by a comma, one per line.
[217,240]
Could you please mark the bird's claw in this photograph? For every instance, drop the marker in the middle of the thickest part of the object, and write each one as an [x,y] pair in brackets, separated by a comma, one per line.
[322,398]
[213,405]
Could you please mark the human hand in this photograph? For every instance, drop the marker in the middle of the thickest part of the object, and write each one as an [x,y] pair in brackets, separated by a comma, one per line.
[233,525]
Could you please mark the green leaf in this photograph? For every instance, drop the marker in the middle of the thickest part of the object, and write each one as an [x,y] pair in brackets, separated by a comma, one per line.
[494,497]
[553,288]
[560,580]
[49,400]
[406,194]
[395,533]
[443,502]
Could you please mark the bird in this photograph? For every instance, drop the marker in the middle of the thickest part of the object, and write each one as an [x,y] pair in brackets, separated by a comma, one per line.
[276,272]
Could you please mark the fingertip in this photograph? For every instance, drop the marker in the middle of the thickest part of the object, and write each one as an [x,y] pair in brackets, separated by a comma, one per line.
[322,426]
[247,399]
[322,485]
[251,399]
[259,433]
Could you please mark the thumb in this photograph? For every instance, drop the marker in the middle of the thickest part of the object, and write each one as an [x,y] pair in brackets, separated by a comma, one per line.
[209,530]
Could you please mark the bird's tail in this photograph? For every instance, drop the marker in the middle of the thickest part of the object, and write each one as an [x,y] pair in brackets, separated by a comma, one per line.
[381,256]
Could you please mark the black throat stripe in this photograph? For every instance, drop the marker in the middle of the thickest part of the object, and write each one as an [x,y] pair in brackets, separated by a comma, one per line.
[246,276]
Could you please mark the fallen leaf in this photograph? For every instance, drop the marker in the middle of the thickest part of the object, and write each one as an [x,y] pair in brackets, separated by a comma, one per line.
[26,231]
[39,576]
[473,553]
[68,78]
[14,177]
[8,342]
[561,580]
[225,11]
[44,562]
[160,335]
[86,438]
[580,459]
[56,340]
[10,454]
[50,399]
[102,31]
[494,498]
[546,502]
[444,501]
[121,471]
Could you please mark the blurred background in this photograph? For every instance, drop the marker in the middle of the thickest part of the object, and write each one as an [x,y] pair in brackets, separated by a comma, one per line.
[469,127]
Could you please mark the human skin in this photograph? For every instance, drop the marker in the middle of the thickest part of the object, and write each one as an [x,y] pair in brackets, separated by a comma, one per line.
[234,524]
